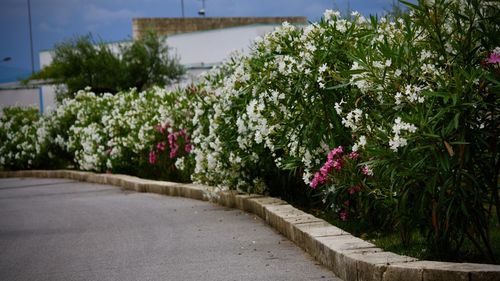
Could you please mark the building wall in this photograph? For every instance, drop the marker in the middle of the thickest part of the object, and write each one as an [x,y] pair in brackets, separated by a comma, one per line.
[200,50]
[42,98]
[212,47]
[197,51]
[171,26]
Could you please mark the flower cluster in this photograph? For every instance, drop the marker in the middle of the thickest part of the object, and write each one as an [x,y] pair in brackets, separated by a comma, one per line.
[175,140]
[412,97]
[19,144]
[333,162]
[108,132]
[494,57]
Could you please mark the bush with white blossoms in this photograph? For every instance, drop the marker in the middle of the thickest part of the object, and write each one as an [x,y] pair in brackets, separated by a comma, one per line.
[394,123]
[19,146]
[104,133]
[414,98]
[269,112]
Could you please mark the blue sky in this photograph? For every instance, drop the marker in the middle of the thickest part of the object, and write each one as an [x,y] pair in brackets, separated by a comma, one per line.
[111,20]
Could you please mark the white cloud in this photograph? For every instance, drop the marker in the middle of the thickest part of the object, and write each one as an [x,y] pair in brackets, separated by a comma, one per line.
[47,27]
[95,15]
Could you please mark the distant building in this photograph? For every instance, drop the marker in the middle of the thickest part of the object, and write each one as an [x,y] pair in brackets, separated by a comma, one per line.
[200,43]
[172,26]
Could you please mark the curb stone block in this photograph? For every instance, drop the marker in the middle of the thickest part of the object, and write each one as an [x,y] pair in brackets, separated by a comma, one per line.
[6,174]
[276,214]
[308,230]
[153,187]
[168,188]
[397,272]
[93,178]
[126,183]
[344,266]
[114,180]
[227,198]
[172,188]
[25,174]
[336,248]
[297,234]
[443,271]
[192,191]
[321,229]
[139,186]
[257,205]
[302,219]
[39,174]
[62,174]
[372,265]
[84,176]
[286,218]
[341,243]
[100,179]
[243,201]
[77,175]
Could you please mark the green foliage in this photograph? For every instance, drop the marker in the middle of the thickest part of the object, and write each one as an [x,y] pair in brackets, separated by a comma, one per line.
[18,138]
[414,97]
[392,124]
[83,62]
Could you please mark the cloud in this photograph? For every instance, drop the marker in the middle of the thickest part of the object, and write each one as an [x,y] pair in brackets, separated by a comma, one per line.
[46,27]
[97,15]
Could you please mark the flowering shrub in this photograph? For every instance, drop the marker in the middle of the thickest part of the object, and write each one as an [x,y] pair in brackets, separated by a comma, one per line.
[18,138]
[103,133]
[405,113]
[414,97]
[427,121]
[269,112]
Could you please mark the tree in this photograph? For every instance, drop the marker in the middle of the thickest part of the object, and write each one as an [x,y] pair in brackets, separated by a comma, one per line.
[82,62]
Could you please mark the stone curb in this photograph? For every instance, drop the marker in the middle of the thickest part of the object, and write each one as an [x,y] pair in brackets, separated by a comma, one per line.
[350,258]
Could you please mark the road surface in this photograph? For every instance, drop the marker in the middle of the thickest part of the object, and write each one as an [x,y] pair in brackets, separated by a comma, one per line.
[59,229]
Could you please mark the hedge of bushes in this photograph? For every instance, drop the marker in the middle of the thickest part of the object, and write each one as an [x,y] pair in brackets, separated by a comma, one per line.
[393,122]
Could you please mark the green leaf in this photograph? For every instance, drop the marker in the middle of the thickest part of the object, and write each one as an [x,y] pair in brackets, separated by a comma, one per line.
[338,86]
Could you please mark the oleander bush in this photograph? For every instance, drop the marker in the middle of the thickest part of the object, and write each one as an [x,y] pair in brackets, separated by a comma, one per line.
[18,138]
[105,133]
[391,122]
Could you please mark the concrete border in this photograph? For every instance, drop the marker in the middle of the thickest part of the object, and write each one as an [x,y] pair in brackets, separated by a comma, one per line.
[350,258]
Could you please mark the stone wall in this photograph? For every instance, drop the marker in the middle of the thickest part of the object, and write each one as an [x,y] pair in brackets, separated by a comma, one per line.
[170,26]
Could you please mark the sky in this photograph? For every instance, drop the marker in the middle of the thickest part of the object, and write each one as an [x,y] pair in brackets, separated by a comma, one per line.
[54,21]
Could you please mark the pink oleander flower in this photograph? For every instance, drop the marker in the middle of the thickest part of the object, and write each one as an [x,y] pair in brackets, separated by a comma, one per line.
[366,171]
[160,146]
[354,189]
[162,128]
[188,147]
[152,157]
[353,155]
[335,152]
[493,58]
[337,164]
[319,178]
[333,161]
[344,215]
[173,150]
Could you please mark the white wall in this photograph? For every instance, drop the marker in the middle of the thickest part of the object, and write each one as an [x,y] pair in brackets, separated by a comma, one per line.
[24,97]
[213,46]
[14,94]
[201,48]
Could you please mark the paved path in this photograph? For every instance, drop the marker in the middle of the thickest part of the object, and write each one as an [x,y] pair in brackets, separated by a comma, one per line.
[56,229]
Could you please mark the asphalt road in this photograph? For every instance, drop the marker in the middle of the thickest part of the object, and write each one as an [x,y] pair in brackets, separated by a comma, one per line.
[56,229]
